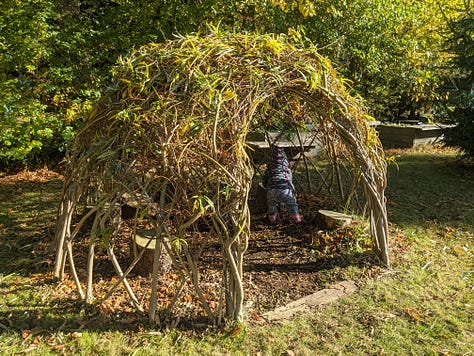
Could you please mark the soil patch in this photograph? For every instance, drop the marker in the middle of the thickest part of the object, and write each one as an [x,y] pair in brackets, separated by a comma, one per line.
[284,261]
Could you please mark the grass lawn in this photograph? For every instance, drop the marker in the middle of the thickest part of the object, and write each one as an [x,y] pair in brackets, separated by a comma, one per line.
[423,305]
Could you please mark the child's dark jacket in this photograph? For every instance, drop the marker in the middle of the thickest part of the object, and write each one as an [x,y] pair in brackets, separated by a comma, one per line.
[278,173]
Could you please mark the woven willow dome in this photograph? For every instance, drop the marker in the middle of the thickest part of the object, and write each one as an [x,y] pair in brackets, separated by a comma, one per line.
[171,134]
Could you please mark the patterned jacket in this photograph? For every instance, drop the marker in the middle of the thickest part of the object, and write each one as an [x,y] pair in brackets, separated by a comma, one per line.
[278,174]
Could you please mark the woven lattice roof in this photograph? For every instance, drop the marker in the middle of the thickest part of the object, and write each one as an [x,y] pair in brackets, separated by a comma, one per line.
[172,131]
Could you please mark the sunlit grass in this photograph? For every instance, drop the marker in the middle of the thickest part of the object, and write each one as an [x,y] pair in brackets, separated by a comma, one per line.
[430,186]
[423,305]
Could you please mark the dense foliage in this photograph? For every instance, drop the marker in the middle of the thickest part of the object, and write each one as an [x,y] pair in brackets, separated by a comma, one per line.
[461,92]
[390,50]
[56,56]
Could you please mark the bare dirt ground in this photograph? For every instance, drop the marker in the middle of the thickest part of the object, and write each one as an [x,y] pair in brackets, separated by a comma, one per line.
[283,262]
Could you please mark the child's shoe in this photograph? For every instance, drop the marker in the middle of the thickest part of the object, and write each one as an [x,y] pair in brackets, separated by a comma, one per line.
[272,218]
[297,218]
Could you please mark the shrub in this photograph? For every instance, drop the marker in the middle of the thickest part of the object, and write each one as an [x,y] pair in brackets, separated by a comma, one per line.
[28,133]
[461,94]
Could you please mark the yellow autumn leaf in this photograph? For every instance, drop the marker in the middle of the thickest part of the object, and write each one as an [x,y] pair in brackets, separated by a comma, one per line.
[183,129]
[228,94]
[304,10]
[274,45]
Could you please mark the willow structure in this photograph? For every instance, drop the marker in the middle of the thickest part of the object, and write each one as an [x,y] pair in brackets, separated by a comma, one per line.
[171,134]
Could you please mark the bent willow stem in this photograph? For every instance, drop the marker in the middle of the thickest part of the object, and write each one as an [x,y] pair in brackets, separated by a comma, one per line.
[167,143]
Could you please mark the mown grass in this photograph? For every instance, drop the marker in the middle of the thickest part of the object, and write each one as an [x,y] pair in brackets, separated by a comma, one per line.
[423,305]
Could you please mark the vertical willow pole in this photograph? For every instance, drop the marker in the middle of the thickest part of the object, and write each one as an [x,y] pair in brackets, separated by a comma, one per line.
[177,115]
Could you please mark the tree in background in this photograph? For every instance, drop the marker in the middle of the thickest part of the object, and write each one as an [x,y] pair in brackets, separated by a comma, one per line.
[390,50]
[460,94]
[27,127]
[55,59]
[56,55]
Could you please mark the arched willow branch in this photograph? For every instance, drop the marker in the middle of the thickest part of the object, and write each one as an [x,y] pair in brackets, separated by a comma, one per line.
[170,133]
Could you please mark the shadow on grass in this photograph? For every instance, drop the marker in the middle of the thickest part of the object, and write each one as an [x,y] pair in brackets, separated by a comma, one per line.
[65,315]
[27,217]
[427,187]
[423,188]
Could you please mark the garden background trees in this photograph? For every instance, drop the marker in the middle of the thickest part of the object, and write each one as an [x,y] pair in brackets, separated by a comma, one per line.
[56,55]
[460,86]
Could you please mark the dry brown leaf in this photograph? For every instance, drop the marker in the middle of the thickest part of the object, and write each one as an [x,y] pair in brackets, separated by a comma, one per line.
[236,331]
[414,313]
[255,316]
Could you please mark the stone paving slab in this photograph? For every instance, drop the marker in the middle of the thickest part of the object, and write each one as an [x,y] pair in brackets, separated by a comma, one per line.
[311,301]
